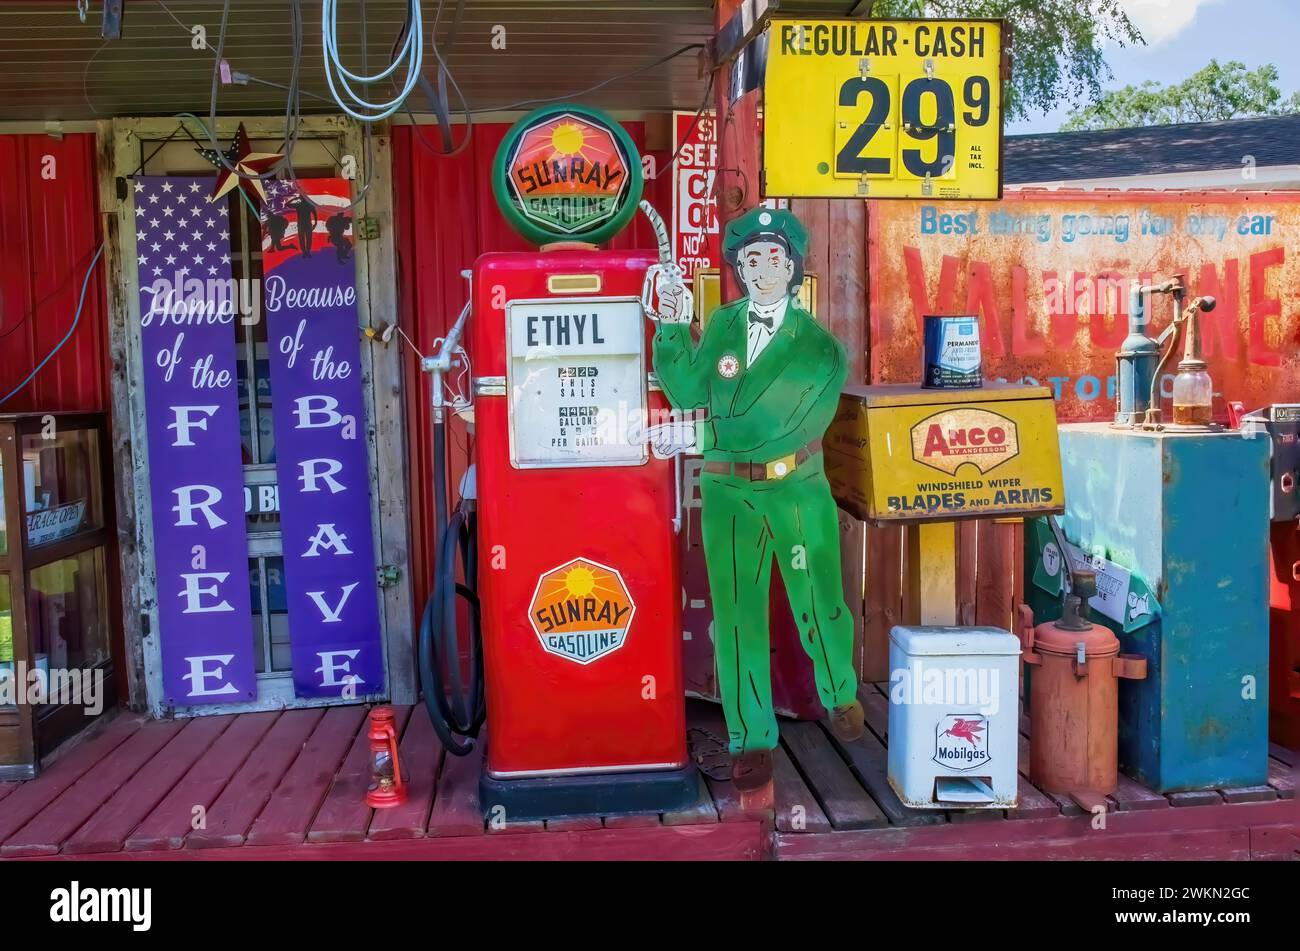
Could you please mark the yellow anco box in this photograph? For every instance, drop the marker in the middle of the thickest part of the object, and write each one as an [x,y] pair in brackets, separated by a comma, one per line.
[901,453]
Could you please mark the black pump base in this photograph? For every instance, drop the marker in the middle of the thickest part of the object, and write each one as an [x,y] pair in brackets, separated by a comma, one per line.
[588,794]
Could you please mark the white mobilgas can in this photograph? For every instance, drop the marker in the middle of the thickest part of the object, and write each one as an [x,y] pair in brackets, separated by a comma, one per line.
[954,717]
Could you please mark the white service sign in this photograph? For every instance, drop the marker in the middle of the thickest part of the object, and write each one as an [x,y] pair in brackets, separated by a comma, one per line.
[576,382]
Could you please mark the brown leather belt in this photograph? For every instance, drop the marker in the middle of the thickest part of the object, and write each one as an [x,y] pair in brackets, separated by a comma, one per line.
[765,471]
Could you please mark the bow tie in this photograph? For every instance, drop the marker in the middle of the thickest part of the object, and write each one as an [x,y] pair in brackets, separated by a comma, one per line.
[755,318]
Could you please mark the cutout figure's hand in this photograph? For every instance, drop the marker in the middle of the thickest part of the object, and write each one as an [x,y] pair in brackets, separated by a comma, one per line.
[671,439]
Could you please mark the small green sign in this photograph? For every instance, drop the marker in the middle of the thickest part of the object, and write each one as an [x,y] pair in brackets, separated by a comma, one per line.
[1121,596]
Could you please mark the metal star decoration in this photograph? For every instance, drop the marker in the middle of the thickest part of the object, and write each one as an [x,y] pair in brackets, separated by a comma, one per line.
[249,163]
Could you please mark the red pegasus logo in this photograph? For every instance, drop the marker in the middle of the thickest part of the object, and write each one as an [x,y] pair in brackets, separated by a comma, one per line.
[968,730]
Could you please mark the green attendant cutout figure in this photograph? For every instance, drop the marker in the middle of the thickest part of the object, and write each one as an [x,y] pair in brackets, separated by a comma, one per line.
[770,377]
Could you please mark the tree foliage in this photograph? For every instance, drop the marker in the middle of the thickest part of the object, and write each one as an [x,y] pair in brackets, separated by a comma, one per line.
[1056,45]
[1227,91]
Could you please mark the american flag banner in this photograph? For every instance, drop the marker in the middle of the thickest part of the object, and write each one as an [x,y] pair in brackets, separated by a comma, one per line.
[322,455]
[188,309]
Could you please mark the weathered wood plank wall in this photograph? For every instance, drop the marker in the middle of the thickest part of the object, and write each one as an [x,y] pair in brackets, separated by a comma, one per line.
[875,563]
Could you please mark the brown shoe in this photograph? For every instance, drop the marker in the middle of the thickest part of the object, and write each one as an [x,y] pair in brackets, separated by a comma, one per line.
[751,771]
[848,722]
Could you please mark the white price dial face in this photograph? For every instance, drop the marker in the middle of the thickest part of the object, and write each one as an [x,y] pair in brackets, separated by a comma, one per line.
[576,382]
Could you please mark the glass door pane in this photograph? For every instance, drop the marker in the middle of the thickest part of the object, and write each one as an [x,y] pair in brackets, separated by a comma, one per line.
[67,617]
[61,485]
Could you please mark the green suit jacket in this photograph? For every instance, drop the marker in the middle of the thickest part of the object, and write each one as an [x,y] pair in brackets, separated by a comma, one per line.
[759,413]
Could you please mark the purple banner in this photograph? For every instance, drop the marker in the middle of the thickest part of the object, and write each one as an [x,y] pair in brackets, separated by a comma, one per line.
[309,297]
[196,479]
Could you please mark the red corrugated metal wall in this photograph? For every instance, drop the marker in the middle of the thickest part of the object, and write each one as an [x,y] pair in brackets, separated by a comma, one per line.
[445,217]
[49,230]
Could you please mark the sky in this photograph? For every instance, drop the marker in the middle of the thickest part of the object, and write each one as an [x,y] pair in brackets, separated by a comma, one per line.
[1184,35]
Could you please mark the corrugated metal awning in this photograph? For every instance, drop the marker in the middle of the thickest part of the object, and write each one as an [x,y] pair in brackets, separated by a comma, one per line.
[53,66]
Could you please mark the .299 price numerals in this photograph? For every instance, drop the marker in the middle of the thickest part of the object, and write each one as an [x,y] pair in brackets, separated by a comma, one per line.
[976,102]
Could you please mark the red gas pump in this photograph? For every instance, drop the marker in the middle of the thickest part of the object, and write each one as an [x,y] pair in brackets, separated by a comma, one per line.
[571,542]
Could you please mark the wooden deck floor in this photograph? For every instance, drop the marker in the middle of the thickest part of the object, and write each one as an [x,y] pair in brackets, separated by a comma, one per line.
[833,801]
[290,785]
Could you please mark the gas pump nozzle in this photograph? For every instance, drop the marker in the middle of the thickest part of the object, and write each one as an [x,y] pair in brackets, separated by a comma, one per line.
[665,274]
[442,362]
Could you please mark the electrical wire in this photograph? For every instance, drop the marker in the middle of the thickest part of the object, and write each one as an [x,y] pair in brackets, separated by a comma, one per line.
[525,103]
[292,114]
[81,303]
[31,311]
[704,104]
[470,112]
[411,55]
[444,70]
[37,305]
[291,100]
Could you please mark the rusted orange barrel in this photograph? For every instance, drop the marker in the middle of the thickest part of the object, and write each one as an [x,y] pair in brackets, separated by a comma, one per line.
[1074,701]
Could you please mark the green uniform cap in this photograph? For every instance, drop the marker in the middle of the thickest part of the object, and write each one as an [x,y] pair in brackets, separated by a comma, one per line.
[759,223]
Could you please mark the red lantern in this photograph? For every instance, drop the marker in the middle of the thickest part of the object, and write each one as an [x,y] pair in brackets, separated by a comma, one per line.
[388,785]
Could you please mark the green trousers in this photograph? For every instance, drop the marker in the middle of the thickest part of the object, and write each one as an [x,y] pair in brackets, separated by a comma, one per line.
[746,525]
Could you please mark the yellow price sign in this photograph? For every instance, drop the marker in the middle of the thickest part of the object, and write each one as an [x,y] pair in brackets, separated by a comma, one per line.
[883,109]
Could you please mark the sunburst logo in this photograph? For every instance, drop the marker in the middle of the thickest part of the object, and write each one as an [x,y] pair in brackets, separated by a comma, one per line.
[581,610]
[568,139]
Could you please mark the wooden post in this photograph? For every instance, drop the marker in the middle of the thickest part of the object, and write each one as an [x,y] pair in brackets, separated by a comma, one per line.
[738,159]
[932,573]
[738,191]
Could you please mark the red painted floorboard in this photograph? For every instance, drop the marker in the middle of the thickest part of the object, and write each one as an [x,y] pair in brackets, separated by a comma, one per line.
[35,794]
[632,820]
[420,754]
[107,829]
[344,815]
[1282,778]
[1132,796]
[230,817]
[293,805]
[455,809]
[47,830]
[171,820]
[720,841]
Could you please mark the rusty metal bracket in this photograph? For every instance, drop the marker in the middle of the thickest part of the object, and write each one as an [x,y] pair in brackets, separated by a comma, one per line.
[111,28]
[1027,652]
[1130,666]
[741,30]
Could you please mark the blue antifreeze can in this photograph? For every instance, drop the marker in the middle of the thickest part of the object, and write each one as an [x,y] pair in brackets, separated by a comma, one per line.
[952,352]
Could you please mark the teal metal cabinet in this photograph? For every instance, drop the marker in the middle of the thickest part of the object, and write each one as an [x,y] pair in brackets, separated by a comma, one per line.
[1188,514]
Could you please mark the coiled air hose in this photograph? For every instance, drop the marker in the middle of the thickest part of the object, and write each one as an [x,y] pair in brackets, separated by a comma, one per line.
[456,709]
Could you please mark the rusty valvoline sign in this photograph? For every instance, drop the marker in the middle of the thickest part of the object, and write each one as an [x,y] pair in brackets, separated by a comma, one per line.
[581,610]
[898,453]
[1048,273]
[883,108]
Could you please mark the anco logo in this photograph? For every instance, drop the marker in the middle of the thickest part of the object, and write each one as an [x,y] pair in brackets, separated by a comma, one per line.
[581,611]
[950,439]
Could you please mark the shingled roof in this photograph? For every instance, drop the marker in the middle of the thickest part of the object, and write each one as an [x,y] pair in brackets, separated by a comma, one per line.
[1153,150]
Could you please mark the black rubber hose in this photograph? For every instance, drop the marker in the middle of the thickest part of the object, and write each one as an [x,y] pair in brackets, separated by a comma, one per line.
[457,713]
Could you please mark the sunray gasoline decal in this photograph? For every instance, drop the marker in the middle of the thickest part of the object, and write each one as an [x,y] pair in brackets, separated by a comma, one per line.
[581,611]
